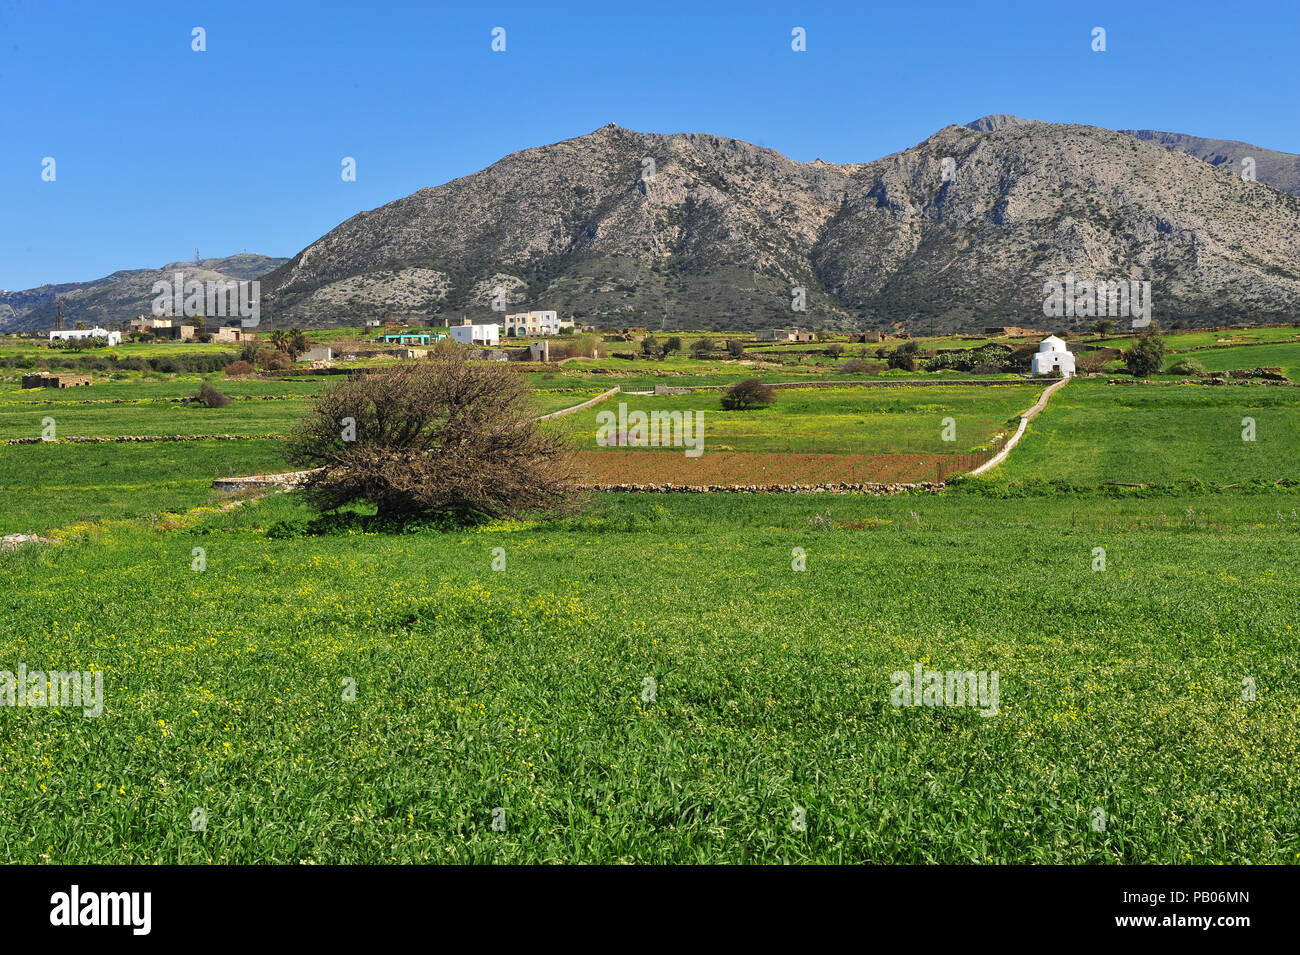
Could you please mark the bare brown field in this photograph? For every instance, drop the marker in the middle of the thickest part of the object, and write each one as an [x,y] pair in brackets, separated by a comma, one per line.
[754,467]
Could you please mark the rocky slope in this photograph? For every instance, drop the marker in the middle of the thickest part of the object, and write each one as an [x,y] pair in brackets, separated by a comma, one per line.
[722,231]
[1279,170]
[118,297]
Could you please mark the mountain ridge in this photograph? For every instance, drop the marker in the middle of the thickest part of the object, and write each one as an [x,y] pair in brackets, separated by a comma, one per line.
[720,233]
[697,230]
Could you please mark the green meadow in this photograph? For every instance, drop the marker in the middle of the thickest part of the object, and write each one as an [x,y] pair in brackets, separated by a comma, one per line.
[839,420]
[665,678]
[52,485]
[1092,433]
[651,681]
[1286,357]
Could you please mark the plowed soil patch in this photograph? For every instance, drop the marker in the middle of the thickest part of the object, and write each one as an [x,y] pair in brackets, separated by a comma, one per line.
[751,467]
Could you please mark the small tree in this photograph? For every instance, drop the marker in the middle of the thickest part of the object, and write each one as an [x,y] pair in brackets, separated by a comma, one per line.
[273,359]
[747,394]
[904,356]
[238,368]
[673,344]
[1147,356]
[702,347]
[296,343]
[835,349]
[444,437]
[735,348]
[650,346]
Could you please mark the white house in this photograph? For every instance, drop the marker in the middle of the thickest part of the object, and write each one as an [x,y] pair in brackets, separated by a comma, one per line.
[114,338]
[1053,355]
[318,353]
[488,335]
[541,322]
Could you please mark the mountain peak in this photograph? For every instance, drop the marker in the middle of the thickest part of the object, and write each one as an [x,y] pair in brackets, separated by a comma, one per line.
[995,121]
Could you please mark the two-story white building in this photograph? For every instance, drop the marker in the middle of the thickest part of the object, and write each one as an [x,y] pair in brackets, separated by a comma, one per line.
[531,324]
[470,334]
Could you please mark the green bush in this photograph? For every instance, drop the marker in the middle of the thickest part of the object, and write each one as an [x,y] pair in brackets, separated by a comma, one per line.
[1187,367]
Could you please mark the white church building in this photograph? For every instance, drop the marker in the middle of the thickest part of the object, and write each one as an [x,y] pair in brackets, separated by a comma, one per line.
[1053,355]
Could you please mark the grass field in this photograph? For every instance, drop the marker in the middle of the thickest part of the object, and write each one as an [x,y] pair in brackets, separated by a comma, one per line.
[1092,433]
[527,689]
[46,486]
[652,679]
[839,420]
[1287,357]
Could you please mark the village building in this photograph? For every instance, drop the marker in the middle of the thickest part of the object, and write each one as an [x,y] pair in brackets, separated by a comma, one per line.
[784,335]
[530,324]
[468,333]
[1053,356]
[146,322]
[44,380]
[230,334]
[73,334]
[317,353]
[411,338]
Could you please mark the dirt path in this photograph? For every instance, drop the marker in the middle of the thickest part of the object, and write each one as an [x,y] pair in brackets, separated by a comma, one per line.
[1025,418]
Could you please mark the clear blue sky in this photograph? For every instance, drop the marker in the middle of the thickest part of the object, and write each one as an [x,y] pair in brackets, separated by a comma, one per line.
[160,149]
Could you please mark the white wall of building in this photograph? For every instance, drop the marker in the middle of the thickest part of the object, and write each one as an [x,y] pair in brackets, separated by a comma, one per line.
[476,334]
[114,338]
[1053,355]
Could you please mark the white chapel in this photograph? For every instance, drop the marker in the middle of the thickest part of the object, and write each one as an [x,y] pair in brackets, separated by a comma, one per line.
[1053,355]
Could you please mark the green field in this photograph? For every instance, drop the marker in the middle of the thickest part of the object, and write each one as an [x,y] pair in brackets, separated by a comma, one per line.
[526,690]
[651,679]
[1093,433]
[47,486]
[1287,357]
[848,420]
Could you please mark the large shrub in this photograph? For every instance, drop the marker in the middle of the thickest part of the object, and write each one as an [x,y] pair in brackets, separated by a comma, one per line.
[904,356]
[747,394]
[445,437]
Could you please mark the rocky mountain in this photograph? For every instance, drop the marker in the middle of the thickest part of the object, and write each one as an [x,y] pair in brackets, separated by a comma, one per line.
[121,296]
[1279,170]
[995,121]
[695,230]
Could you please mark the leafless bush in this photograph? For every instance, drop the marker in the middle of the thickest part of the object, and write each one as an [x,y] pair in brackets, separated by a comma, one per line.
[444,437]
[211,397]
[747,394]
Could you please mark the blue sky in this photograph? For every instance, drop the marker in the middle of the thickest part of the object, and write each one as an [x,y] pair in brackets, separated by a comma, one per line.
[160,149]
